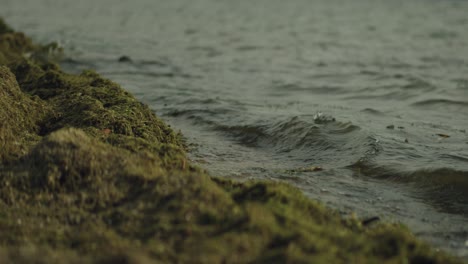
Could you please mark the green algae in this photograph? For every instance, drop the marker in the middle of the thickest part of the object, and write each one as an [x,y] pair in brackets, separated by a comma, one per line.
[13,45]
[75,192]
[96,105]
[90,175]
[20,115]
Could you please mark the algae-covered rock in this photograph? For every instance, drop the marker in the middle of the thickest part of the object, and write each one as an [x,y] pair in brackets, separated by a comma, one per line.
[90,175]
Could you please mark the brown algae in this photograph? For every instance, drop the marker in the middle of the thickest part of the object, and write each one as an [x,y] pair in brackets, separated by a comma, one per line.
[90,175]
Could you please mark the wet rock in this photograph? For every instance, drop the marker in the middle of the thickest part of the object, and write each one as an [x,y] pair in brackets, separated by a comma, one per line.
[125,59]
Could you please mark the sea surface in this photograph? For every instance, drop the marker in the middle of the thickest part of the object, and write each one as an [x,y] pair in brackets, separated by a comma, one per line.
[361,104]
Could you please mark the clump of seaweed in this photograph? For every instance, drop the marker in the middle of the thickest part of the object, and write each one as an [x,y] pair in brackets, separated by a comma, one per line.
[13,45]
[19,115]
[96,105]
[90,175]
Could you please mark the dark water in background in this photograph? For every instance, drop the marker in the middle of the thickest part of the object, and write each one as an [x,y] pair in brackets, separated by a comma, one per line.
[365,89]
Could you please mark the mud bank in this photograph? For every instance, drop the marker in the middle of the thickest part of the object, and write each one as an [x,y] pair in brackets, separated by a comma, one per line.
[90,175]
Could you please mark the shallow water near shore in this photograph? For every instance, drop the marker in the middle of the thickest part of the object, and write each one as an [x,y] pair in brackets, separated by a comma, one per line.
[374,93]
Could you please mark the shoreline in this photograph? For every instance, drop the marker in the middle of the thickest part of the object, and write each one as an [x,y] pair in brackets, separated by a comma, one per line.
[86,170]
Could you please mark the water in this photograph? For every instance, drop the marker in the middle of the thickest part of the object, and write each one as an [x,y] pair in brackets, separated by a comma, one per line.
[373,92]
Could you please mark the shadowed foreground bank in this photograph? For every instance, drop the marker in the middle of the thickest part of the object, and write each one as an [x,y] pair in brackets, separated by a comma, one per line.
[90,175]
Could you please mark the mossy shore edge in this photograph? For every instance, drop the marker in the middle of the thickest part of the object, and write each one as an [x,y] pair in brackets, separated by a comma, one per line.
[90,175]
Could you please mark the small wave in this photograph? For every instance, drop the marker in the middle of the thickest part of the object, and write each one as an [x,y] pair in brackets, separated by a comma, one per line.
[443,188]
[150,74]
[392,95]
[302,132]
[441,103]
[441,177]
[207,51]
[416,83]
[443,34]
[302,137]
[372,111]
[248,135]
[455,157]
[462,84]
[160,63]
[248,48]
[429,176]
[317,89]
[207,101]
[191,113]
[445,61]
[334,143]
